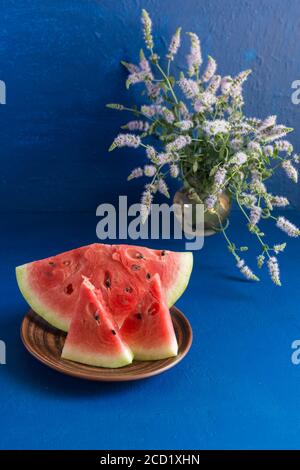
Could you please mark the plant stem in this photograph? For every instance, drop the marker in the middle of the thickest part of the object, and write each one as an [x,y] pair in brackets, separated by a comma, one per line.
[257,235]
[137,112]
[168,82]
[168,68]
[230,244]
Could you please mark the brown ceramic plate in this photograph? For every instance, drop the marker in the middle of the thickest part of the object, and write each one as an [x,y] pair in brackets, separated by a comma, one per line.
[45,343]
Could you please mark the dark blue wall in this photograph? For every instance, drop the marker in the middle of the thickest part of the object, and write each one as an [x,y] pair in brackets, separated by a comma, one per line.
[60,61]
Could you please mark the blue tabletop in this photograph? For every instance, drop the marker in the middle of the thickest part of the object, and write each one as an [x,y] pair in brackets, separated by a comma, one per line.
[237,388]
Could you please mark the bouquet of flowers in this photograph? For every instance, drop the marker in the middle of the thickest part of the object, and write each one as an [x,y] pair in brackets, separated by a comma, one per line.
[203,135]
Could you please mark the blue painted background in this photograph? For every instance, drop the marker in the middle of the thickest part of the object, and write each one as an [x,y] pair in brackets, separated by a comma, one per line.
[60,60]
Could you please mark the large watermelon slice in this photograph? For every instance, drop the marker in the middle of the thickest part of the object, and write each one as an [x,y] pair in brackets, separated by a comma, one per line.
[94,337]
[149,332]
[122,272]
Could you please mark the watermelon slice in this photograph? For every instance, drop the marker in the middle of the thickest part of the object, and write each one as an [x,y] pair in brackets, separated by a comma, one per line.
[149,332]
[94,338]
[122,272]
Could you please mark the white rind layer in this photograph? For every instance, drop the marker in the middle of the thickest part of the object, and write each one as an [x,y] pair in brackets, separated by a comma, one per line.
[77,354]
[156,354]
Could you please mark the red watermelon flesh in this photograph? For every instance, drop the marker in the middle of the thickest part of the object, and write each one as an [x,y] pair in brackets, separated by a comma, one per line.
[94,337]
[149,331]
[122,273]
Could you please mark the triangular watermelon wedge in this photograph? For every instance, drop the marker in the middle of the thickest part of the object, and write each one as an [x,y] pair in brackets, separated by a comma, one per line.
[122,272]
[94,337]
[149,331]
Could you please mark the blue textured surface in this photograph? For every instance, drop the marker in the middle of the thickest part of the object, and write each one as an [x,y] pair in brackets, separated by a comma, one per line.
[60,60]
[237,388]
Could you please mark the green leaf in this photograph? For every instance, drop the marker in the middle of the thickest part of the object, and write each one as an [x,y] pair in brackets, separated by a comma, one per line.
[142,55]
[195,166]
[117,106]
[172,80]
[112,147]
[135,110]
[164,87]
[260,261]
[126,65]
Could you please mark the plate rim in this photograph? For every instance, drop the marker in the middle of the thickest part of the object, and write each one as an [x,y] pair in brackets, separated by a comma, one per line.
[114,378]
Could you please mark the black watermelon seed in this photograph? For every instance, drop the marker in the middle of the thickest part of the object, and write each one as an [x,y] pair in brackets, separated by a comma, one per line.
[140,256]
[163,252]
[138,316]
[128,289]
[107,282]
[96,316]
[113,332]
[69,289]
[135,267]
[51,263]
[148,276]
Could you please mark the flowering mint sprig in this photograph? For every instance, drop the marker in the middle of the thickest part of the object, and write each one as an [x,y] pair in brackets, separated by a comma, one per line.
[286,226]
[279,248]
[147,29]
[274,270]
[125,140]
[246,271]
[174,45]
[194,58]
[205,139]
[141,126]
[290,170]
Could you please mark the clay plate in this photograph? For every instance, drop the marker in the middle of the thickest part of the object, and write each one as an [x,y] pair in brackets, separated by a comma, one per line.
[45,343]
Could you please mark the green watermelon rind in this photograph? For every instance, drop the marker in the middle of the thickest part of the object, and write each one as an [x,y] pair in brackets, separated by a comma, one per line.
[178,288]
[31,298]
[51,317]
